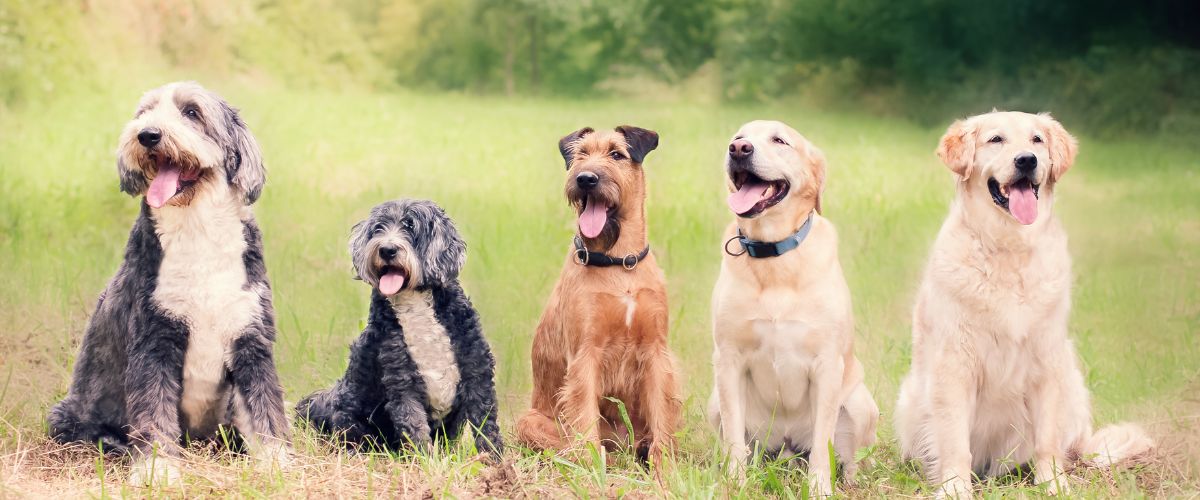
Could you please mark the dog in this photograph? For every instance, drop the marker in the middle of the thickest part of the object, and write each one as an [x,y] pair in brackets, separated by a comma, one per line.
[785,374]
[603,333]
[180,343]
[995,382]
[421,369]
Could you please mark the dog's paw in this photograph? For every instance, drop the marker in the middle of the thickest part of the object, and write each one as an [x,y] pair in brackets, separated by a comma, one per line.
[155,471]
[1058,486]
[956,487]
[819,485]
[273,458]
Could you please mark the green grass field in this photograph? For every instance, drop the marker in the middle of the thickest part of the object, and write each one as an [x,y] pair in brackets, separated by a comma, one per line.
[1132,210]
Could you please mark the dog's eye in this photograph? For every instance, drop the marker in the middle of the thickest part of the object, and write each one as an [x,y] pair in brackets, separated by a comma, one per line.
[779,140]
[191,112]
[377,229]
[1037,139]
[996,139]
[616,156]
[407,223]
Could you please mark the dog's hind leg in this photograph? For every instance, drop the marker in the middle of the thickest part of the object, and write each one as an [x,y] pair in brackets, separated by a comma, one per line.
[67,425]
[538,431]
[855,428]
[258,399]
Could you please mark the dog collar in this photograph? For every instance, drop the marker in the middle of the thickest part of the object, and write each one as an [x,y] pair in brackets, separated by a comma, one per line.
[587,257]
[763,249]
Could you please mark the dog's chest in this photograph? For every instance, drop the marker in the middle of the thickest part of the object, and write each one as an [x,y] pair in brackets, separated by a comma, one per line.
[430,349]
[202,281]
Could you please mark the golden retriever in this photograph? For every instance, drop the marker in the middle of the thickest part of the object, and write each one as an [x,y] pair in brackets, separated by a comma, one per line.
[785,373]
[995,382]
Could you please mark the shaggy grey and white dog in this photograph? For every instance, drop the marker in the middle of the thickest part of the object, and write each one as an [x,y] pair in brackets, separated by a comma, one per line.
[181,341]
[421,369]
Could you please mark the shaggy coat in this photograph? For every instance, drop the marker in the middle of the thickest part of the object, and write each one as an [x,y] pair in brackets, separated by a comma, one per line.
[995,381]
[603,333]
[422,369]
[180,343]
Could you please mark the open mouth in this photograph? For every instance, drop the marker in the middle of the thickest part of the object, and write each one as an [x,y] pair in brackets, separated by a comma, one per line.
[754,194]
[170,182]
[392,279]
[594,214]
[1018,198]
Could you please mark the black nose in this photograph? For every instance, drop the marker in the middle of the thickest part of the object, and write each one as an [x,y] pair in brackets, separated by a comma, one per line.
[740,149]
[149,137]
[587,180]
[388,252]
[1026,163]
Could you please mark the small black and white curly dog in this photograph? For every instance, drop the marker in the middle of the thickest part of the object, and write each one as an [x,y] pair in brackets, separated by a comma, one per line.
[181,341]
[421,370]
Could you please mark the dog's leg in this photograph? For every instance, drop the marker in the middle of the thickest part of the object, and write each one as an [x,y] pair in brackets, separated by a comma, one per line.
[403,394]
[952,402]
[663,409]
[728,368]
[826,388]
[258,400]
[1049,455]
[153,387]
[581,399]
[538,429]
[476,400]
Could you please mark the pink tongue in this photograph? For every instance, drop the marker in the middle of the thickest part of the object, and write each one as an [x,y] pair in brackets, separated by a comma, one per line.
[749,195]
[1022,204]
[164,186]
[391,283]
[592,220]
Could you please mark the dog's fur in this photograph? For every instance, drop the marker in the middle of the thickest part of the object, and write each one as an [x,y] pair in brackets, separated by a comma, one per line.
[995,382]
[181,340]
[421,369]
[604,330]
[785,374]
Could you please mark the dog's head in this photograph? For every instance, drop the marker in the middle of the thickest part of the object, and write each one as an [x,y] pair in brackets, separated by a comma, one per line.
[184,139]
[771,168]
[1015,158]
[406,243]
[605,182]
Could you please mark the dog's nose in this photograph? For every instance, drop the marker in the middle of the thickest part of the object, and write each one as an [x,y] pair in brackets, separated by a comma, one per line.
[1026,163]
[740,149]
[587,180]
[388,252]
[149,137]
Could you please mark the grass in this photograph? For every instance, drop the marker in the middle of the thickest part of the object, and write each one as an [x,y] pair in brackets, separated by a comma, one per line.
[1132,210]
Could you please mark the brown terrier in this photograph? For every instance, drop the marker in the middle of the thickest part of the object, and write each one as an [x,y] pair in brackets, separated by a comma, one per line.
[604,331]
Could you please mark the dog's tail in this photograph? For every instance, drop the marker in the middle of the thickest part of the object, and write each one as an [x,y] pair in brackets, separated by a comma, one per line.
[1114,444]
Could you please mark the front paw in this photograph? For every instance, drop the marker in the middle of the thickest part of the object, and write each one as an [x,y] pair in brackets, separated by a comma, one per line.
[155,471]
[955,487]
[735,461]
[1058,485]
[272,458]
[819,484]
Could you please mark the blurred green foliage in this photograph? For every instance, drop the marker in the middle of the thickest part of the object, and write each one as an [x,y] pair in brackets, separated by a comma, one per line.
[1110,66]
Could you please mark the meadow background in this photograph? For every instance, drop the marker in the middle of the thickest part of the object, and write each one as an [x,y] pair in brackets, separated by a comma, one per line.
[462,102]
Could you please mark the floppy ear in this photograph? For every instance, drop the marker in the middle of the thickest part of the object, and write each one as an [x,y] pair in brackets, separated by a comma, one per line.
[566,145]
[133,182]
[358,242]
[243,160]
[816,161]
[1062,145]
[957,149]
[641,141]
[447,253]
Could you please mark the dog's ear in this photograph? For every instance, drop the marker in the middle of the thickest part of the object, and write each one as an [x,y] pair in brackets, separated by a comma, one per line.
[816,161]
[133,182]
[957,148]
[243,159]
[1062,146]
[358,245]
[641,141]
[446,254]
[566,145]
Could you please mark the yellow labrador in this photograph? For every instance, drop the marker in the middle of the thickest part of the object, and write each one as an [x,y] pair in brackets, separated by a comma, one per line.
[995,382]
[785,373]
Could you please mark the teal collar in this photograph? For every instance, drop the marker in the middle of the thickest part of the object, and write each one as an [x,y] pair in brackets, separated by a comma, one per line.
[763,249]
